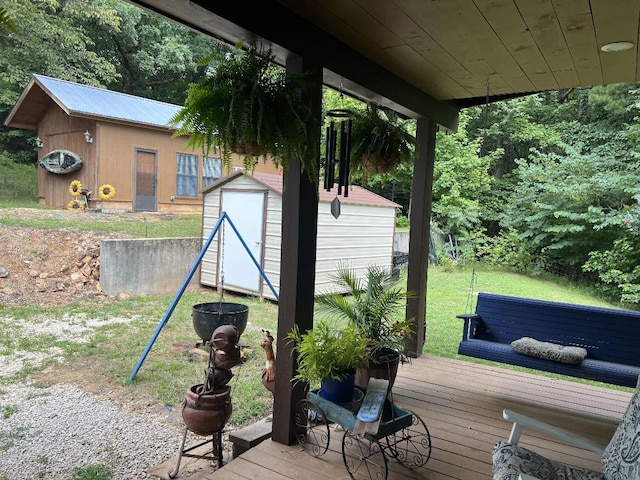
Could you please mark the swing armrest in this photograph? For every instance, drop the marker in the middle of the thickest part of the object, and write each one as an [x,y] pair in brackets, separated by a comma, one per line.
[471,322]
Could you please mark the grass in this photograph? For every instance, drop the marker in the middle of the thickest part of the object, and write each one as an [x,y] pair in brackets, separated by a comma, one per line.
[178,225]
[18,183]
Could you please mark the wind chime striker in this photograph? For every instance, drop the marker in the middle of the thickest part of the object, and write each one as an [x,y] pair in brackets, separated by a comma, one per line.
[338,153]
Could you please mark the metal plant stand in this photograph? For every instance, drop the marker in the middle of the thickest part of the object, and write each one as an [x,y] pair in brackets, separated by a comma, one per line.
[401,436]
[215,455]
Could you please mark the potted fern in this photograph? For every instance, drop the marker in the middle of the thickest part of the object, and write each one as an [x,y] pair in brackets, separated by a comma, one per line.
[249,106]
[374,303]
[378,144]
[329,358]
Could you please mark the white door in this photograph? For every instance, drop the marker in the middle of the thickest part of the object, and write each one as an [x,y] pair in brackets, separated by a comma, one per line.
[246,211]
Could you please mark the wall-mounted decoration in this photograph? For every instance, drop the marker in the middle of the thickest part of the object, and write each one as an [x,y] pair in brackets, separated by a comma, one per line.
[61,162]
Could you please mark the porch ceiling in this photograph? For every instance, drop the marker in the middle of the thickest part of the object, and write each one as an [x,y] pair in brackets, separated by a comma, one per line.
[426,56]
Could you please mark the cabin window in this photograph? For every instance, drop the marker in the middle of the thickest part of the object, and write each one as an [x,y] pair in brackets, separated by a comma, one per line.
[187,178]
[211,170]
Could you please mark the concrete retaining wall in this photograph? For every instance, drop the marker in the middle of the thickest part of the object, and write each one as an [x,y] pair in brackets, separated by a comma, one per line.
[154,266]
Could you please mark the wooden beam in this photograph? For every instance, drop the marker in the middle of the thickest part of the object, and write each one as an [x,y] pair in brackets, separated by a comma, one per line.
[420,215]
[297,269]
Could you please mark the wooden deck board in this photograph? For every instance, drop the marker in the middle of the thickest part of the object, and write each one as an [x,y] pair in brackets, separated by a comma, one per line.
[461,404]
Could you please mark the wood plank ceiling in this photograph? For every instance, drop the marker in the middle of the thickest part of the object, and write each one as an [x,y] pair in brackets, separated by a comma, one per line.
[462,49]
[453,52]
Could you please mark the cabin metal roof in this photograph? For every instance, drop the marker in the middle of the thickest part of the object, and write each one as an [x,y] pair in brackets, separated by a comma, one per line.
[86,101]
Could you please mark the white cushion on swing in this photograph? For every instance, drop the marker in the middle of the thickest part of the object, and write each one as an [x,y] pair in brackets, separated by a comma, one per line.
[549,351]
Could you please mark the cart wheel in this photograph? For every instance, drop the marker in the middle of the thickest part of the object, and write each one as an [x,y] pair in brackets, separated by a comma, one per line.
[411,446]
[311,428]
[363,458]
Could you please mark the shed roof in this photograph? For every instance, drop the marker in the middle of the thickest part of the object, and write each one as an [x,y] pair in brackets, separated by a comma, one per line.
[86,101]
[357,195]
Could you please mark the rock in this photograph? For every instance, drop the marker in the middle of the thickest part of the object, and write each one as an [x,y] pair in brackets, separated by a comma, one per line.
[4,273]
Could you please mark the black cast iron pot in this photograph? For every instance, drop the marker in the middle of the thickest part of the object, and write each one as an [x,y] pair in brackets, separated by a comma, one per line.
[209,316]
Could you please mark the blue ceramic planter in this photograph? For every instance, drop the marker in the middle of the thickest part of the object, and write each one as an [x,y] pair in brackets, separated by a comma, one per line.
[338,391]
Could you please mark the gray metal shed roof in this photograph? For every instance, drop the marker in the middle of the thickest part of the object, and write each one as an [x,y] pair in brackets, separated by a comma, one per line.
[78,99]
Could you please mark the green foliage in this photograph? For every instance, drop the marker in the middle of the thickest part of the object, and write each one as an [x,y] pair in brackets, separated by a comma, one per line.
[18,183]
[247,101]
[92,472]
[155,58]
[507,251]
[460,180]
[374,304]
[6,22]
[325,352]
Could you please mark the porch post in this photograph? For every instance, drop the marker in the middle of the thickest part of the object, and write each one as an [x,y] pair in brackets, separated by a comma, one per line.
[420,215]
[297,269]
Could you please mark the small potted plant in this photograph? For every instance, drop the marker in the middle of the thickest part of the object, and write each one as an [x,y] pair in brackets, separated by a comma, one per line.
[378,144]
[374,303]
[329,358]
[249,106]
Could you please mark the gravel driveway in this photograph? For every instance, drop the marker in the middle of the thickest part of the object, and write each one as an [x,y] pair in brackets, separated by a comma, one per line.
[50,432]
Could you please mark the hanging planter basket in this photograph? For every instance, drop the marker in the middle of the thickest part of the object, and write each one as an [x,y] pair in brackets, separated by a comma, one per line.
[375,164]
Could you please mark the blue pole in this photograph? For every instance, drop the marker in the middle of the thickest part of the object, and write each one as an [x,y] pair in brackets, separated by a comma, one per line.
[172,307]
[264,275]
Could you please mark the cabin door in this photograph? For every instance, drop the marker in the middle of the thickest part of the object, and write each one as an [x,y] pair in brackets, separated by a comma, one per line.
[145,181]
[246,211]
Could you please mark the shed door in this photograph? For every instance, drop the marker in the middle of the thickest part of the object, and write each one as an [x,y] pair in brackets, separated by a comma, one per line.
[145,198]
[246,211]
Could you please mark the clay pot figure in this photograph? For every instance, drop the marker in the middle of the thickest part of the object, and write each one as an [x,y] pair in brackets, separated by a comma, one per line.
[206,414]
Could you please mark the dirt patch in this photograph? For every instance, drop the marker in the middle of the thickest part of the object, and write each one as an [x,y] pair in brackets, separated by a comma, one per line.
[55,266]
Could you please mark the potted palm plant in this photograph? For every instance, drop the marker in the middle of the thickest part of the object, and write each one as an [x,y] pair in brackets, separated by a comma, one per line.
[378,144]
[329,357]
[374,303]
[249,106]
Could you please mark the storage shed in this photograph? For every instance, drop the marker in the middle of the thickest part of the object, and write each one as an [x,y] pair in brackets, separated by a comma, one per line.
[362,235]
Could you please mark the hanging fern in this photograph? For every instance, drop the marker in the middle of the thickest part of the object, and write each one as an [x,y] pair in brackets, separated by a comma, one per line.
[248,100]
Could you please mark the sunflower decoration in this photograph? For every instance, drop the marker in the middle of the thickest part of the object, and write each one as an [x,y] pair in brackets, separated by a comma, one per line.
[106,192]
[75,205]
[75,189]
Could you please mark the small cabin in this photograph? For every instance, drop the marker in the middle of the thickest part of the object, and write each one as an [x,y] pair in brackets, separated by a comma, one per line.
[362,234]
[115,139]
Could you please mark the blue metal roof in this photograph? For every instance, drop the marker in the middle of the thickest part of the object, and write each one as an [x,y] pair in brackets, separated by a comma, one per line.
[80,99]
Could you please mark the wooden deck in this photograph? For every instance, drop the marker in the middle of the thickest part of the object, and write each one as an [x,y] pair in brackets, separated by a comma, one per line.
[461,403]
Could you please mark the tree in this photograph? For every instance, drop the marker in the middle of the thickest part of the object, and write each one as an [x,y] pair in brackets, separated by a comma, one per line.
[48,39]
[460,180]
[154,58]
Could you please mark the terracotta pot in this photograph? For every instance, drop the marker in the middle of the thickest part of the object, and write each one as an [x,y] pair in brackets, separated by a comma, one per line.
[206,414]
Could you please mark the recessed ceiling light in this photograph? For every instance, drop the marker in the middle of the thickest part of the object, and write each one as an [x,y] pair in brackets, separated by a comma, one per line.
[616,46]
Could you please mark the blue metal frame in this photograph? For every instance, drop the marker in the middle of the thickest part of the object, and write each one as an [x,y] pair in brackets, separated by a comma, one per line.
[187,279]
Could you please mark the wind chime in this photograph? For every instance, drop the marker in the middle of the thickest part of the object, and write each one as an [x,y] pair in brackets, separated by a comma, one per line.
[338,152]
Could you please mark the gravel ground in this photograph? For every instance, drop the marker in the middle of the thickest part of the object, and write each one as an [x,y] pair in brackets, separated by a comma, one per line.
[57,430]
[49,432]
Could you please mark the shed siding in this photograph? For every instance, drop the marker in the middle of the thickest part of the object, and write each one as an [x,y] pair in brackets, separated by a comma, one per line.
[361,236]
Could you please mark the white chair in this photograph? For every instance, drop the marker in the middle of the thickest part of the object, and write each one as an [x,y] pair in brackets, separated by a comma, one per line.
[620,459]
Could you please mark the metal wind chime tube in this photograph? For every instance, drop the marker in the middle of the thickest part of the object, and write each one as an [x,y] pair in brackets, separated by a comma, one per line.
[338,151]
